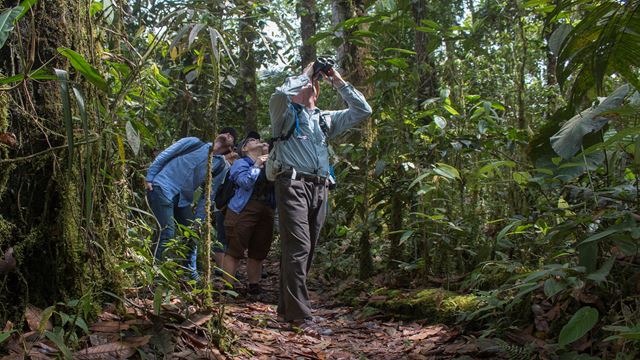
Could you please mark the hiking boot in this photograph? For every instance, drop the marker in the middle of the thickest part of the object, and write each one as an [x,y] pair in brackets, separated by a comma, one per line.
[310,326]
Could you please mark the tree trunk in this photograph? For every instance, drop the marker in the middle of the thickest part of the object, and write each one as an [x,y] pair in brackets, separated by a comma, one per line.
[63,231]
[248,66]
[522,121]
[351,59]
[427,76]
[308,25]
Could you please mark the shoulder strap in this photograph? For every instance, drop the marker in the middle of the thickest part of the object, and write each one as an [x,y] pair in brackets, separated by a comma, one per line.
[295,125]
[192,148]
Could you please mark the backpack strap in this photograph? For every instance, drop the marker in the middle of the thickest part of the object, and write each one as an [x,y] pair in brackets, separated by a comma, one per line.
[294,126]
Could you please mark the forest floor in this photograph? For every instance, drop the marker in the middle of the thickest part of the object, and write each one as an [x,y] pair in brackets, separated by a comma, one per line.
[353,334]
[251,331]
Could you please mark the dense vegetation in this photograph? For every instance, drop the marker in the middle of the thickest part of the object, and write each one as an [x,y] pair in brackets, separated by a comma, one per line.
[502,161]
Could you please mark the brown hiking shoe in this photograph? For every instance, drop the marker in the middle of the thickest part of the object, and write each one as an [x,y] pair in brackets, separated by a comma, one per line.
[310,326]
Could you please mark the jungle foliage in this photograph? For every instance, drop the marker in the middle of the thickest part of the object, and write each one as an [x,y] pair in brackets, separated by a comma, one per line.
[502,161]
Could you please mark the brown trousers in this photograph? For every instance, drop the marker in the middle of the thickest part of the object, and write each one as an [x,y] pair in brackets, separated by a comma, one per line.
[302,208]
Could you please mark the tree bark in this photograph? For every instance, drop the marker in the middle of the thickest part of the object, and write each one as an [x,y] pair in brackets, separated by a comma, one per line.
[427,76]
[308,25]
[248,67]
[351,59]
[64,232]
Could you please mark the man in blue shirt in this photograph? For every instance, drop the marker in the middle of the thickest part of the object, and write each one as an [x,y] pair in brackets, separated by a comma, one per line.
[303,177]
[171,181]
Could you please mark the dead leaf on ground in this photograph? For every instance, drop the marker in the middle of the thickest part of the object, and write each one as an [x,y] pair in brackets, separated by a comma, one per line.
[107,316]
[8,326]
[109,326]
[210,354]
[9,138]
[34,316]
[7,262]
[103,338]
[426,332]
[196,320]
[195,340]
[119,349]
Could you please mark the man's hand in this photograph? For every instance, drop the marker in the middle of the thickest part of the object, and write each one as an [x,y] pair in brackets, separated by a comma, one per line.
[261,160]
[335,79]
[231,157]
[308,70]
[148,186]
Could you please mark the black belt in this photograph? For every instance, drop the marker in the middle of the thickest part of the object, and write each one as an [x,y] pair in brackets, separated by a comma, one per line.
[316,179]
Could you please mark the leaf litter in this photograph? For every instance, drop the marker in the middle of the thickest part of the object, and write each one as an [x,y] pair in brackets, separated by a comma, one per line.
[255,331]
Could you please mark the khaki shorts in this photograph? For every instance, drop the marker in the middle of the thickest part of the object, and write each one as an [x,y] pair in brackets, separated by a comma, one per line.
[251,231]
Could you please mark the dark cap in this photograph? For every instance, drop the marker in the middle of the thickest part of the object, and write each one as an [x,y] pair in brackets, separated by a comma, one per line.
[231,131]
[253,134]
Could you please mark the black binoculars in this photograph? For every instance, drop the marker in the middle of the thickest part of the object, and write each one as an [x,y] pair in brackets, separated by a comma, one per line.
[322,66]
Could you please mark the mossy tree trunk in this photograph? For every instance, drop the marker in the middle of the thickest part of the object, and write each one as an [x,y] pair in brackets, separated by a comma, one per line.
[351,58]
[248,65]
[60,217]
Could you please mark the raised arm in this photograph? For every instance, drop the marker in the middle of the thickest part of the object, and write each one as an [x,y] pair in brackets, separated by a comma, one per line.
[243,174]
[358,110]
[280,100]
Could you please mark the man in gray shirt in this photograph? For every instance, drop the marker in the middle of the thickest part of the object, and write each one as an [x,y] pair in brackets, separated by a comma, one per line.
[301,131]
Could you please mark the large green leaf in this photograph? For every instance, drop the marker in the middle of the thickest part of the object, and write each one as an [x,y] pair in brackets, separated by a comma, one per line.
[447,171]
[58,339]
[579,324]
[4,335]
[26,5]
[605,41]
[558,37]
[66,111]
[7,20]
[82,66]
[568,140]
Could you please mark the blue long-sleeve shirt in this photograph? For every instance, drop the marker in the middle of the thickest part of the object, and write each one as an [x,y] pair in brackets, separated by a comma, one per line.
[180,173]
[306,150]
[244,175]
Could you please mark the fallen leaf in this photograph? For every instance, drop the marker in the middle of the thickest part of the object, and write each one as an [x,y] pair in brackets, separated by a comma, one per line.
[210,354]
[8,326]
[34,318]
[195,340]
[196,320]
[119,349]
[109,326]
[425,333]
[7,262]
[103,338]
[9,139]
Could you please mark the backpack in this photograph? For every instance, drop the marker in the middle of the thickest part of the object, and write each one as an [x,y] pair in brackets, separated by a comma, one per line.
[273,166]
[225,192]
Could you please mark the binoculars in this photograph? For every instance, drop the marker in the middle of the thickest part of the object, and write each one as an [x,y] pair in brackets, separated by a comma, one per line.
[323,65]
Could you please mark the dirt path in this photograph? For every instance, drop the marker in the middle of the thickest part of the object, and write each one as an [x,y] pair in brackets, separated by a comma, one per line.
[259,332]
[253,328]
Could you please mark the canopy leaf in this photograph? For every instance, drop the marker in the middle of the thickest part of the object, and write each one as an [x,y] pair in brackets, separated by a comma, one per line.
[568,140]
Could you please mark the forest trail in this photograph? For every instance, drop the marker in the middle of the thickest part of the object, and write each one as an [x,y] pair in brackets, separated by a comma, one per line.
[251,331]
[353,336]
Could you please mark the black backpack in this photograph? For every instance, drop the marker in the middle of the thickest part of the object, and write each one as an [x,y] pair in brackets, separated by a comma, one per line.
[225,192]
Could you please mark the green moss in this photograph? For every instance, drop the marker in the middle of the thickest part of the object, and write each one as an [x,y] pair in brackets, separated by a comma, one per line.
[6,228]
[4,111]
[436,304]
[348,292]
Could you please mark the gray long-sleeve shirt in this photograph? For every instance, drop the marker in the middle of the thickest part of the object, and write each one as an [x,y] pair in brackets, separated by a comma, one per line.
[306,150]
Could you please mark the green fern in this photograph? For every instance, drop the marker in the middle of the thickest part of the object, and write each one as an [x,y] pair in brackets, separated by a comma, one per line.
[516,352]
